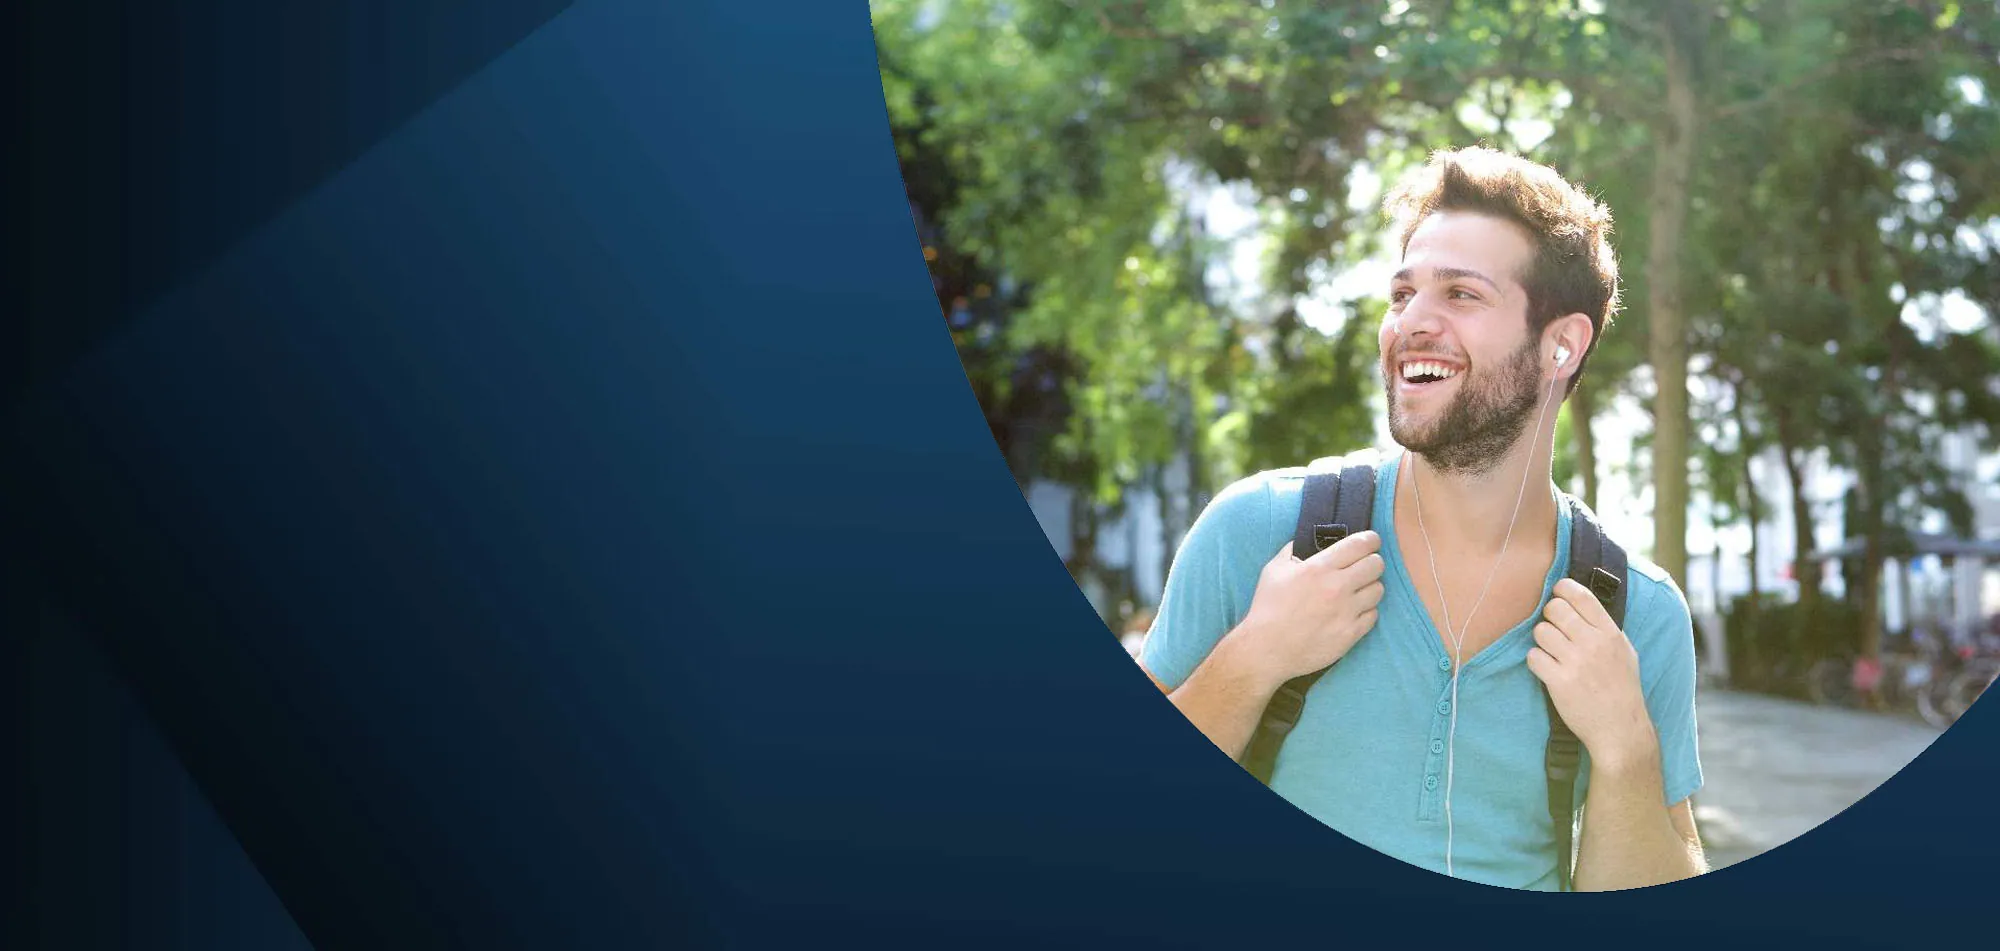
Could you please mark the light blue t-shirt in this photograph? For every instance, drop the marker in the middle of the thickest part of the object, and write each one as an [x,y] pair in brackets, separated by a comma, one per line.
[1368,754]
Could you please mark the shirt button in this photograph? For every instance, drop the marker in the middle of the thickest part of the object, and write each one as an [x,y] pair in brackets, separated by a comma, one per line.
[1437,746]
[1444,664]
[1444,707]
[1430,782]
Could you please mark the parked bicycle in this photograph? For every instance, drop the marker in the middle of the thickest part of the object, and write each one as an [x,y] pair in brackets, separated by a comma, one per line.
[1954,692]
[1929,678]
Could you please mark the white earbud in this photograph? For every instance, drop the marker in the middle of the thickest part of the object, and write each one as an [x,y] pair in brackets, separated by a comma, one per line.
[1562,355]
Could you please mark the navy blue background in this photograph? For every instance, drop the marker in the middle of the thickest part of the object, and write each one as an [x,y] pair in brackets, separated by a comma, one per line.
[494,475]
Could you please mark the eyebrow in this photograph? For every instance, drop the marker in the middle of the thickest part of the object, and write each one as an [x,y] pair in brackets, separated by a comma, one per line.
[1451,273]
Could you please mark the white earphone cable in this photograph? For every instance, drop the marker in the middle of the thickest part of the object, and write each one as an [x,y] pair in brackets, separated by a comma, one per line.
[1458,637]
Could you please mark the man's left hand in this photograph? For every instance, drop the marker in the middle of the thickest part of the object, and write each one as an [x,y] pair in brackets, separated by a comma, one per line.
[1592,674]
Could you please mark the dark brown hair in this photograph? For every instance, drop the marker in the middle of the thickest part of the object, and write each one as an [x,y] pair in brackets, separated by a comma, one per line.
[1573,270]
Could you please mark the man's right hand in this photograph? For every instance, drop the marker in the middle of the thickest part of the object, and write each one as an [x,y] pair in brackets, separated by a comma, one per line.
[1308,614]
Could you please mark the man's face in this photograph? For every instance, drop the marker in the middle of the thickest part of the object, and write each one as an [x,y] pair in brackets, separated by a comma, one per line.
[1464,375]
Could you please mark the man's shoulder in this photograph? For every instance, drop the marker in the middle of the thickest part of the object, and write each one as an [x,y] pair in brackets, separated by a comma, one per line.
[1659,586]
[1661,629]
[1250,504]
[1654,603]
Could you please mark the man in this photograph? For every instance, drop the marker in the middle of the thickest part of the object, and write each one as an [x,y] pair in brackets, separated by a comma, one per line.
[1505,268]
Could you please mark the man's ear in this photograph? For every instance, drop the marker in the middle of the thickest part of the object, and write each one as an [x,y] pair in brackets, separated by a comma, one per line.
[1572,331]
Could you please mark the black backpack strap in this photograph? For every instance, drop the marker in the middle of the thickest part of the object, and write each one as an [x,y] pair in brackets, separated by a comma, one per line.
[1596,562]
[1335,504]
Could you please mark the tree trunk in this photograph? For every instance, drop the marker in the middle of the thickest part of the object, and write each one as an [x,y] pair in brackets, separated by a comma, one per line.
[1870,443]
[1805,569]
[1082,537]
[1752,509]
[1582,407]
[1751,501]
[1177,516]
[1873,553]
[1669,350]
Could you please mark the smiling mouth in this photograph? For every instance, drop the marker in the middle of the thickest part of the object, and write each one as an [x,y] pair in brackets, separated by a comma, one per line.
[1424,372]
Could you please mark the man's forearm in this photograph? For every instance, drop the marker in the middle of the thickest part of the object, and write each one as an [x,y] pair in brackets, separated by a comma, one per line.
[1629,836]
[1225,696]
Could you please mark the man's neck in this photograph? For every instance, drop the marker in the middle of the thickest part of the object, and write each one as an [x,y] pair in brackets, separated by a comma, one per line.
[1474,512]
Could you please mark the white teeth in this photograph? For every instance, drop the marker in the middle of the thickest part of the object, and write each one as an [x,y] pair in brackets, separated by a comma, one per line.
[1426,368]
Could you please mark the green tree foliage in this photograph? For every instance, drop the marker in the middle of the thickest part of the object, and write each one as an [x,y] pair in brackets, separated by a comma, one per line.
[1789,178]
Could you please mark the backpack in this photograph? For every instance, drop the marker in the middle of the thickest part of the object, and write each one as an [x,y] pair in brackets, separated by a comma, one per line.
[1338,501]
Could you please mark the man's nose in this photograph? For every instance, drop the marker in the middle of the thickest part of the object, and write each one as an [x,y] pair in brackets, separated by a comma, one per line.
[1421,316]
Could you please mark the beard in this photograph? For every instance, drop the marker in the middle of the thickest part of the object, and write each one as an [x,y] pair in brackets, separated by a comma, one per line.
[1473,433]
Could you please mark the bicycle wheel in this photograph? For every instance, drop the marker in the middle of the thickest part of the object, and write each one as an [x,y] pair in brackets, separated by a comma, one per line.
[1967,686]
[1934,703]
[1905,679]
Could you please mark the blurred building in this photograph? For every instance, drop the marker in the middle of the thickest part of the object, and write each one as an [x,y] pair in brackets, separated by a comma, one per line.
[1135,540]
[1948,584]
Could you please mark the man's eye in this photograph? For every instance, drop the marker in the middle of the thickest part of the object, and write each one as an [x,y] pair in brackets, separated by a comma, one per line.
[1398,297]
[1463,294]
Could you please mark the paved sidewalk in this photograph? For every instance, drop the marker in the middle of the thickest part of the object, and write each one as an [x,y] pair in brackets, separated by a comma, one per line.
[1776,768]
